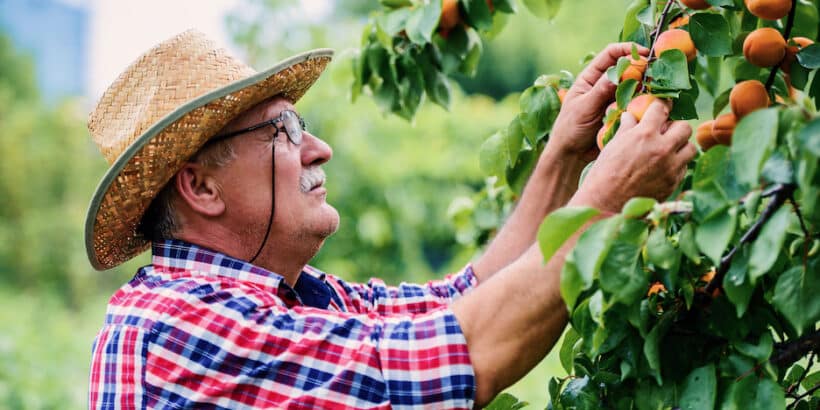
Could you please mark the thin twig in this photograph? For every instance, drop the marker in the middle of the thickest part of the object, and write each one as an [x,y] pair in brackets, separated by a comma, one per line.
[653,39]
[781,194]
[793,350]
[802,376]
[786,34]
[802,396]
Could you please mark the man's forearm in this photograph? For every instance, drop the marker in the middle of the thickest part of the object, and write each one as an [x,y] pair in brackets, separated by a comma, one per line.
[551,185]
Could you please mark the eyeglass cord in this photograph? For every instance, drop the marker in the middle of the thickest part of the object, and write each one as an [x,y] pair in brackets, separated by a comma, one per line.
[272,197]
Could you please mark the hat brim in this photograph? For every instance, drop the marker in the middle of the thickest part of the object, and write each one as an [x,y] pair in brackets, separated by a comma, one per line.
[139,173]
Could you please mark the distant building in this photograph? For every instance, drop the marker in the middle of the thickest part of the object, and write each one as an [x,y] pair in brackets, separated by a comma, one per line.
[54,34]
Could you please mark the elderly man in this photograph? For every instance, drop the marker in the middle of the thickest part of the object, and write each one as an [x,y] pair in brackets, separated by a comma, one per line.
[212,166]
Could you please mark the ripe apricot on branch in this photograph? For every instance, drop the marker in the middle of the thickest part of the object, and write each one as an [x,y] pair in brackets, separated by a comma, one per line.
[764,47]
[657,287]
[450,16]
[562,93]
[679,22]
[696,4]
[676,39]
[635,70]
[769,9]
[638,106]
[748,96]
[723,128]
[602,134]
[792,48]
[703,135]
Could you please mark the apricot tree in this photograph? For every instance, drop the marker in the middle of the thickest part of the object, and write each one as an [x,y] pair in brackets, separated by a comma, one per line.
[709,299]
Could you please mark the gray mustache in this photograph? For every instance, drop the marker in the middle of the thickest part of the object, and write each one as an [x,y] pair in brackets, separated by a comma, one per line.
[310,178]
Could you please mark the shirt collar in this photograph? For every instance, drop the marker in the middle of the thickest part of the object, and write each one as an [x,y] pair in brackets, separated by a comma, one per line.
[174,258]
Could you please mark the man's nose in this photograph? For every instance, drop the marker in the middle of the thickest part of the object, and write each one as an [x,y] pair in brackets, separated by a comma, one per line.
[315,151]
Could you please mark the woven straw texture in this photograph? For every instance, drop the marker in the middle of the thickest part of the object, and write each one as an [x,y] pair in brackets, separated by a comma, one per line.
[159,113]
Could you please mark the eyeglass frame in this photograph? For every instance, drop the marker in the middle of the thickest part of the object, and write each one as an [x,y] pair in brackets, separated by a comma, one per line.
[272,122]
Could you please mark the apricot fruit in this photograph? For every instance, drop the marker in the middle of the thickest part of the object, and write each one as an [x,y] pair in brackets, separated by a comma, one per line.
[792,48]
[657,287]
[704,137]
[708,276]
[638,106]
[696,4]
[450,16]
[676,39]
[748,96]
[679,22]
[635,70]
[723,128]
[562,93]
[769,9]
[764,47]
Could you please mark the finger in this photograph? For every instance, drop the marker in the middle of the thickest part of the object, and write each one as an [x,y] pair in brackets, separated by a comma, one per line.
[628,121]
[686,154]
[601,93]
[607,58]
[679,132]
[656,115]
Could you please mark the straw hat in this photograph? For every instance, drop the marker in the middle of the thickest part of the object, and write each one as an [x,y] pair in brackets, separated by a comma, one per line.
[161,111]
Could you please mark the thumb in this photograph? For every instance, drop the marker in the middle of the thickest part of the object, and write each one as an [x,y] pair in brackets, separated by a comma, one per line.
[628,121]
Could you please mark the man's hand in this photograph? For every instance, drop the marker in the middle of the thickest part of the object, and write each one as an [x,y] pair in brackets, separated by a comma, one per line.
[580,118]
[643,159]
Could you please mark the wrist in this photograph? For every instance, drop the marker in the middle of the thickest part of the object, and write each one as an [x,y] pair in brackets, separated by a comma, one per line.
[556,158]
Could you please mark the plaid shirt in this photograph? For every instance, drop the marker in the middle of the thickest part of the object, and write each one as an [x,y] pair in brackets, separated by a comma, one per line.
[199,329]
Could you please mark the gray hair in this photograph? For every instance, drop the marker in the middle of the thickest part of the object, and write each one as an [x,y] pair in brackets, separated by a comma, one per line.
[161,221]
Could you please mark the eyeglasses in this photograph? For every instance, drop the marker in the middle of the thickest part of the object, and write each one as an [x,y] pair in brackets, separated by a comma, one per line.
[292,124]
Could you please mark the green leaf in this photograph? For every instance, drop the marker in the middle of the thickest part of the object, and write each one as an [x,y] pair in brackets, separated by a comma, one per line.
[714,234]
[493,156]
[809,57]
[505,6]
[751,393]
[795,295]
[807,137]
[625,91]
[759,351]
[454,49]
[580,394]
[659,251]
[475,48]
[687,244]
[768,244]
[754,140]
[567,352]
[738,287]
[638,207]
[506,401]
[572,283]
[478,14]
[514,140]
[521,170]
[423,21]
[539,108]
[560,225]
[683,108]
[721,101]
[699,389]
[670,71]
[651,348]
[621,276]
[593,246]
[710,33]
[545,9]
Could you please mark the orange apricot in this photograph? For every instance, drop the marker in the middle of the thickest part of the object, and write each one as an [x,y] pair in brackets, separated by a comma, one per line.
[676,38]
[657,287]
[769,9]
[723,128]
[792,48]
[635,70]
[764,47]
[696,4]
[708,276]
[679,22]
[748,96]
[602,133]
[450,16]
[638,106]
[703,135]
[562,93]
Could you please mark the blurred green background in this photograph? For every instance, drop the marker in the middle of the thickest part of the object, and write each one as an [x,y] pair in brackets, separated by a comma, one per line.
[391,181]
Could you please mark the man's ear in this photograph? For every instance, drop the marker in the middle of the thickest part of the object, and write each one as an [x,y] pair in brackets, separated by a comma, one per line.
[200,190]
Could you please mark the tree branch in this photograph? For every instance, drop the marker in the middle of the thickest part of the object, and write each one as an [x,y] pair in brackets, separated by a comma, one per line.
[792,351]
[653,39]
[786,34]
[802,396]
[781,193]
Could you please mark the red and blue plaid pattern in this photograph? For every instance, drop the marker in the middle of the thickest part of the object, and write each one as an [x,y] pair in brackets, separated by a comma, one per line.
[199,329]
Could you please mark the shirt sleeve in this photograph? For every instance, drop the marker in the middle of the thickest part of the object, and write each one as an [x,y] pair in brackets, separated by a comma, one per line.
[116,368]
[237,349]
[406,298]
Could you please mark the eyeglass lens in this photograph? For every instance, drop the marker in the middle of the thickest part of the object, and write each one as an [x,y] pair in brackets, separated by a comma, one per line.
[293,126]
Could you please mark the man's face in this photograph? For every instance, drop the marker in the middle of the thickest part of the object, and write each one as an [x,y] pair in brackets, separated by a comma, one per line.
[302,217]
